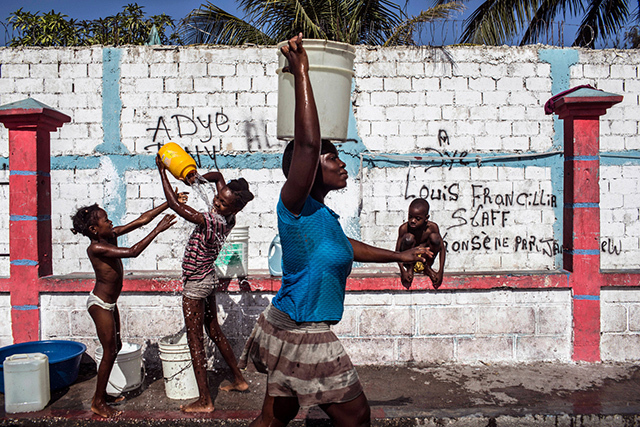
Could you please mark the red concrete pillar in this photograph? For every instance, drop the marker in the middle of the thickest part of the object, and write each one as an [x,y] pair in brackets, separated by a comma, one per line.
[30,124]
[581,110]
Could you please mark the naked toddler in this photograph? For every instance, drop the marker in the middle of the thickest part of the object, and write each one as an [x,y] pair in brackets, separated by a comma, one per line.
[419,231]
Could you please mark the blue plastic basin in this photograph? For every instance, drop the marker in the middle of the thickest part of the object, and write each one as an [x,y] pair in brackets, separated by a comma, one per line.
[64,359]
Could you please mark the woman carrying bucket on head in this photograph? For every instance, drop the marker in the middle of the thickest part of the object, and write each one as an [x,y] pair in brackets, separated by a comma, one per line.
[198,274]
[292,342]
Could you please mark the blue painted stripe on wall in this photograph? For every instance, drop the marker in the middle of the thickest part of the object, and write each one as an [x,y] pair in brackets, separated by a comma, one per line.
[587,297]
[111,103]
[560,62]
[582,158]
[24,307]
[29,218]
[24,262]
[582,251]
[29,173]
[581,205]
[256,161]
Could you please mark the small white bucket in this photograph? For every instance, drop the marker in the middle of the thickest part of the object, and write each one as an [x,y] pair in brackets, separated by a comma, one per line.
[233,259]
[177,368]
[128,370]
[330,73]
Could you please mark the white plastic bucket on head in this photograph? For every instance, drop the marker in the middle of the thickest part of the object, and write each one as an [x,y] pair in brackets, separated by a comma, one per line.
[26,382]
[177,368]
[330,72]
[233,259]
[128,370]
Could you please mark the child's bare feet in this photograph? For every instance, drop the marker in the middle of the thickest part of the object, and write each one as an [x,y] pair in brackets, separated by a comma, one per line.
[102,409]
[200,405]
[238,385]
[111,399]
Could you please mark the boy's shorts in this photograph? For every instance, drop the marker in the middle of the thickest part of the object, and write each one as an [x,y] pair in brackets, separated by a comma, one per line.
[200,289]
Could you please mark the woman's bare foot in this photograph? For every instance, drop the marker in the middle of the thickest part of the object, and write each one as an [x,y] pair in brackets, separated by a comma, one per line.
[103,410]
[236,386]
[200,405]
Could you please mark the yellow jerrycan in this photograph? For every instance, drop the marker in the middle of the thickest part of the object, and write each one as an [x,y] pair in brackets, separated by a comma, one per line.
[178,161]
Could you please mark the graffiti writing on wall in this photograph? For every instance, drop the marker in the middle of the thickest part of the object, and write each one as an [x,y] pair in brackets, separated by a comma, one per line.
[186,126]
[483,217]
[488,243]
[198,153]
[203,129]
[610,247]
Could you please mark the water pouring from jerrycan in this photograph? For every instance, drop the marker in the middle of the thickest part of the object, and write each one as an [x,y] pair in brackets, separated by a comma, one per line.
[183,167]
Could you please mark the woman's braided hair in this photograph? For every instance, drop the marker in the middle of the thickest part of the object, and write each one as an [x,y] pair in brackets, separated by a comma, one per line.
[240,188]
[84,218]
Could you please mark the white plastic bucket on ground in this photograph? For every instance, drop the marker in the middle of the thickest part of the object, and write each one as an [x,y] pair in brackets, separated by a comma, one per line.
[233,259]
[128,370]
[330,72]
[177,368]
[26,382]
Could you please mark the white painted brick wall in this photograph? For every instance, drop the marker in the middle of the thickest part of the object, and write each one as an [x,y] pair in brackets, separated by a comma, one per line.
[6,335]
[427,327]
[489,102]
[619,216]
[620,320]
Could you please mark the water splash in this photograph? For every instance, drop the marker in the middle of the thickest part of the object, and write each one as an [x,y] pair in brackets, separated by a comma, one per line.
[202,187]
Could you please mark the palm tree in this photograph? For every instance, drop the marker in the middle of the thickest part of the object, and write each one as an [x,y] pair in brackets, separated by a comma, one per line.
[497,22]
[267,22]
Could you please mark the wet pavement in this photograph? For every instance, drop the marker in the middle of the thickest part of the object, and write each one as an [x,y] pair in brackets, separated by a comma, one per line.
[492,395]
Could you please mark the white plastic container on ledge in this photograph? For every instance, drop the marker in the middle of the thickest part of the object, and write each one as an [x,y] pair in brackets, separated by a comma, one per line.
[233,259]
[26,382]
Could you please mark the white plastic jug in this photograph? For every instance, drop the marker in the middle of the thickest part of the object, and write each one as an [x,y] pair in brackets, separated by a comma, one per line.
[128,370]
[275,257]
[26,382]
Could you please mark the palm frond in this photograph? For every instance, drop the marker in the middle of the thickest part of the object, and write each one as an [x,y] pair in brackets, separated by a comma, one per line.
[603,17]
[212,25]
[282,19]
[495,22]
[541,21]
[376,20]
[403,34]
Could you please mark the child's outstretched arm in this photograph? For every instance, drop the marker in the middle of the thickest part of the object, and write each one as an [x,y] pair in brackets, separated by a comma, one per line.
[185,211]
[147,216]
[107,250]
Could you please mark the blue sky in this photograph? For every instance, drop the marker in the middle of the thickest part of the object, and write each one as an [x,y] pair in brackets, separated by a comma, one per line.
[92,9]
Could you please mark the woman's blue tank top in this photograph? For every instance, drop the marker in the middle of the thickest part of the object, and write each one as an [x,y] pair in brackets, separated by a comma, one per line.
[316,260]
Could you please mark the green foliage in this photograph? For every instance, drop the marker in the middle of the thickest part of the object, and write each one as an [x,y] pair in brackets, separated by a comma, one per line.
[267,22]
[497,22]
[53,29]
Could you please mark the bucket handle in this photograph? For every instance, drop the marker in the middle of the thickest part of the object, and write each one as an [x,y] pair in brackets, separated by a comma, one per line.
[184,368]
